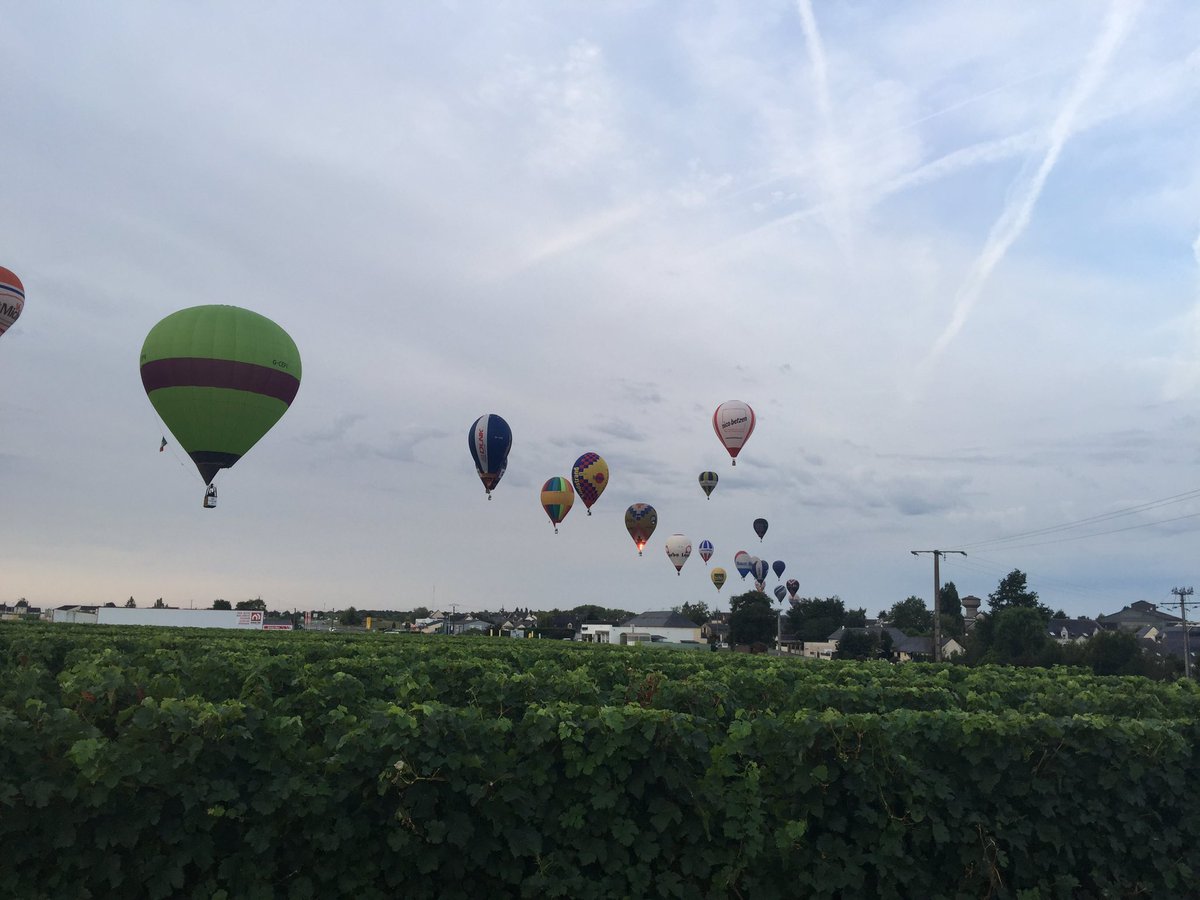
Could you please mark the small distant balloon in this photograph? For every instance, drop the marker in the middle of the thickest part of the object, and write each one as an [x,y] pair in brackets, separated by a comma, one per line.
[557,499]
[741,562]
[718,577]
[640,522]
[777,567]
[793,585]
[12,298]
[708,481]
[759,569]
[489,441]
[590,477]
[733,422]
[706,550]
[760,528]
[780,592]
[679,548]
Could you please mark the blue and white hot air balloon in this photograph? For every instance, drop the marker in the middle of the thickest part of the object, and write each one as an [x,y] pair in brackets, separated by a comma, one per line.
[489,440]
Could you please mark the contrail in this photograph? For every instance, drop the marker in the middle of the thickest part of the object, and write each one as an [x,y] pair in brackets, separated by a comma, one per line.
[1016,215]
[828,154]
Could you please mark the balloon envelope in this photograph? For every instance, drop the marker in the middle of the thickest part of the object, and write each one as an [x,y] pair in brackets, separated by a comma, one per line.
[708,481]
[706,550]
[780,592]
[219,377]
[793,585]
[741,562]
[679,548]
[640,522]
[777,567]
[718,577]
[12,298]
[733,422]
[489,441]
[557,498]
[760,528]
[759,569]
[590,477]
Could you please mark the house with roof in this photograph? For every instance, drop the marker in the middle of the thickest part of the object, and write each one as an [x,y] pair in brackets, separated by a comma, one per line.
[1072,631]
[905,648]
[1136,616]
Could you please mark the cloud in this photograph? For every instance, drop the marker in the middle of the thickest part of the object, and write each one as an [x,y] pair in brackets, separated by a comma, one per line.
[335,431]
[1017,213]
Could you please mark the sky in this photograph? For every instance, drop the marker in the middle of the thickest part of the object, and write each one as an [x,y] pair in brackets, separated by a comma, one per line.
[948,252]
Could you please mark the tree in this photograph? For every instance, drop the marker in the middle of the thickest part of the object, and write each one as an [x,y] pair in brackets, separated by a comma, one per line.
[911,616]
[856,618]
[222,604]
[752,620]
[1019,637]
[257,603]
[129,604]
[1115,653]
[158,604]
[864,643]
[950,609]
[697,612]
[350,617]
[1059,614]
[1012,592]
[814,619]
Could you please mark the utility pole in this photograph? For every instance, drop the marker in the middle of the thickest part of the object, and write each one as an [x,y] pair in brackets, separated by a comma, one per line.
[937,596]
[1181,593]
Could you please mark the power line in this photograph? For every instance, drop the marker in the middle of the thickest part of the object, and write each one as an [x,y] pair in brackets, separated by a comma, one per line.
[1095,520]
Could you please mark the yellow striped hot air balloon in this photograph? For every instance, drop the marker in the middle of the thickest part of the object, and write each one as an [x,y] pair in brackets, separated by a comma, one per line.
[557,499]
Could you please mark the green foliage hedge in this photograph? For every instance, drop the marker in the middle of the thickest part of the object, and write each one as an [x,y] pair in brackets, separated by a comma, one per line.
[156,763]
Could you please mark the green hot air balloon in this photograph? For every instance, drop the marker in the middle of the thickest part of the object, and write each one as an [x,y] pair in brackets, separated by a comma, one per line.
[219,377]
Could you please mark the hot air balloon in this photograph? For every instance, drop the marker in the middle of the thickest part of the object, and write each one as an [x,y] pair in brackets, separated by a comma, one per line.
[741,562]
[219,377]
[777,567]
[640,522]
[489,441]
[590,476]
[718,577]
[759,569]
[708,481]
[793,585]
[12,298]
[760,528]
[780,592]
[557,498]
[706,550]
[679,548]
[733,422]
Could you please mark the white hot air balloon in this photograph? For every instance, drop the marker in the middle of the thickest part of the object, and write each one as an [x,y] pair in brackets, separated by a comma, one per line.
[679,548]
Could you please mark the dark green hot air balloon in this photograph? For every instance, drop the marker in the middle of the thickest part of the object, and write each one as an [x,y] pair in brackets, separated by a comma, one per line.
[219,377]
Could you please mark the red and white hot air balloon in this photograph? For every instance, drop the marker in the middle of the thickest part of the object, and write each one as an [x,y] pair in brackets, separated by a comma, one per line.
[12,298]
[734,423]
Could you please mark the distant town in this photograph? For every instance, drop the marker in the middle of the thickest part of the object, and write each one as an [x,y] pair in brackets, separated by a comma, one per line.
[1010,627]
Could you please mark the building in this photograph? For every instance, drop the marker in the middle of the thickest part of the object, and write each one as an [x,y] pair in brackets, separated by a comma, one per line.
[666,625]
[1136,616]
[1071,631]
[905,648]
